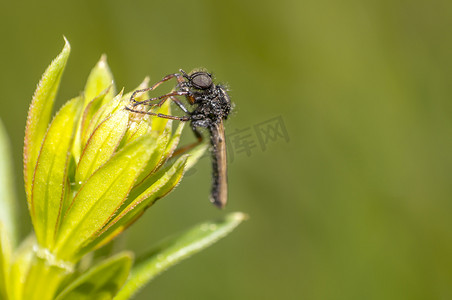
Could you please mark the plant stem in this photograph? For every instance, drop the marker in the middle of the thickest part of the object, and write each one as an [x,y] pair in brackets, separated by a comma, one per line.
[43,280]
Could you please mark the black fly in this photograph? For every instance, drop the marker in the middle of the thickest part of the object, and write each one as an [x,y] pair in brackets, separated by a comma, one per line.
[211,105]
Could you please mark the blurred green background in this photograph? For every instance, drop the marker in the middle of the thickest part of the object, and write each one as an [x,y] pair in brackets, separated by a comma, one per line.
[355,204]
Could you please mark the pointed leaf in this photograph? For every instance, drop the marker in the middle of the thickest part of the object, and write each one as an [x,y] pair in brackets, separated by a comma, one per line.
[39,114]
[176,249]
[99,198]
[158,124]
[5,261]
[49,182]
[99,80]
[91,109]
[161,183]
[157,158]
[135,130]
[88,113]
[102,144]
[164,182]
[195,155]
[8,200]
[169,143]
[172,145]
[101,281]
[158,186]
[100,116]
[139,123]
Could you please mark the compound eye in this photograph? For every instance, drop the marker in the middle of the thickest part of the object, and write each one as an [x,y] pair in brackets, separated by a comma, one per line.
[202,81]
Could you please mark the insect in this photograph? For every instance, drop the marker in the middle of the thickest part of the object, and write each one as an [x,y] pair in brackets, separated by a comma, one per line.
[211,106]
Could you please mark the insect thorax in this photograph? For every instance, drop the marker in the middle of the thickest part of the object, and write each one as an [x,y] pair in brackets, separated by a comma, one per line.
[213,107]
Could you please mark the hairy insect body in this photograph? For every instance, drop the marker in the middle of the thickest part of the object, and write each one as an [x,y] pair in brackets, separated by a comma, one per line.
[211,108]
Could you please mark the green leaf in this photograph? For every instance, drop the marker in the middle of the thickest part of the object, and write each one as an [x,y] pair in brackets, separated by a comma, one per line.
[176,249]
[49,182]
[21,264]
[195,155]
[89,112]
[100,116]
[5,261]
[101,281]
[99,80]
[174,141]
[102,144]
[164,182]
[100,196]
[8,200]
[39,114]
[99,90]
[149,191]
[159,124]
[156,159]
[153,188]
[135,130]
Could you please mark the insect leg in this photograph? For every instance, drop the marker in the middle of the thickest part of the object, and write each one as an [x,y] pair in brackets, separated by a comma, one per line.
[161,99]
[179,78]
[199,139]
[181,106]
[183,118]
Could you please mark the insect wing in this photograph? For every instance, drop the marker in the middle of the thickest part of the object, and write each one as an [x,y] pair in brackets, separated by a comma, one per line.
[219,194]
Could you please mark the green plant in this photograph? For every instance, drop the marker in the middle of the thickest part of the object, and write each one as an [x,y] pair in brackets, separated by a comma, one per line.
[90,174]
